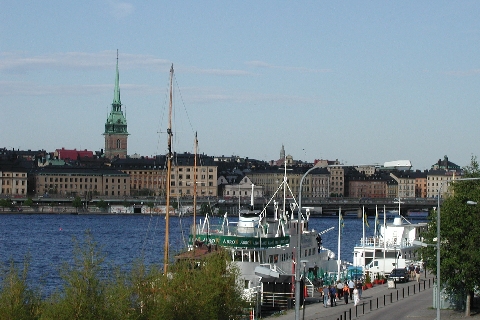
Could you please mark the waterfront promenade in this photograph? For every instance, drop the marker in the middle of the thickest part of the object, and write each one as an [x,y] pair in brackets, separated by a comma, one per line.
[407,301]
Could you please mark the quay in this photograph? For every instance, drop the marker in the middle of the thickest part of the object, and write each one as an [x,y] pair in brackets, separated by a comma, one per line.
[319,206]
[409,300]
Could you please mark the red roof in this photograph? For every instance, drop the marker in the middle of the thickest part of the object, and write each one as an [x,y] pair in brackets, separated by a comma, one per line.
[74,154]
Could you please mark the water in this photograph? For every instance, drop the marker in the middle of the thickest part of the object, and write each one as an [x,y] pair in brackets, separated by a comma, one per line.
[47,238]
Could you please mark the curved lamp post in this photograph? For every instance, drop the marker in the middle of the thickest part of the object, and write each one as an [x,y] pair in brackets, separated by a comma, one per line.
[299,242]
[438,238]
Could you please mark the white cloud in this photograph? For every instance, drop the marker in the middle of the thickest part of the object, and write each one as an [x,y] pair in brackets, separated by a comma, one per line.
[15,62]
[262,64]
[465,73]
[121,10]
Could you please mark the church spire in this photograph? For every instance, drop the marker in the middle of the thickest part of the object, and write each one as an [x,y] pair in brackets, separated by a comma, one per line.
[116,133]
[117,104]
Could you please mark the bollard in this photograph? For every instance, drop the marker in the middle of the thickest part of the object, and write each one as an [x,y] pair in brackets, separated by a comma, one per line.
[413,289]
[363,308]
[349,313]
[408,290]
[397,295]
[345,314]
[377,302]
[370,305]
[403,292]
[384,300]
[356,312]
[391,297]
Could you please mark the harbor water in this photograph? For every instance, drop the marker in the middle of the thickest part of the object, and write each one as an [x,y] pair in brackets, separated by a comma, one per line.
[47,239]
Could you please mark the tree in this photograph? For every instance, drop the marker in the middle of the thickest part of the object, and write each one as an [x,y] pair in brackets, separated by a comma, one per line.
[77,203]
[17,299]
[460,230]
[150,205]
[85,281]
[6,203]
[28,202]
[102,205]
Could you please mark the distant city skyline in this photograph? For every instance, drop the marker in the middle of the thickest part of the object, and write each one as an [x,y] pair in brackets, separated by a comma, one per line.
[359,82]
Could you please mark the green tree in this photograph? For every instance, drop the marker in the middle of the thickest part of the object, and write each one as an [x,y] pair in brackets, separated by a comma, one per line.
[460,231]
[102,205]
[17,299]
[83,294]
[204,208]
[209,289]
[150,205]
[77,203]
[28,202]
[6,203]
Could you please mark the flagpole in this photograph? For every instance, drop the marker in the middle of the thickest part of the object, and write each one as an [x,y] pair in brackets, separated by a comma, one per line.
[375,234]
[339,236]
[363,238]
[384,233]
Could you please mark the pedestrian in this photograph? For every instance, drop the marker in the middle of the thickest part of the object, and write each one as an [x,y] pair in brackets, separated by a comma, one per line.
[351,286]
[326,294]
[359,287]
[411,271]
[346,292]
[333,294]
[356,297]
[417,273]
[339,290]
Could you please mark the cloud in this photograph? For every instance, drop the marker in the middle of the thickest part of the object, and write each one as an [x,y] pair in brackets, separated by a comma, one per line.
[120,10]
[21,62]
[262,64]
[466,73]
[217,72]
[21,88]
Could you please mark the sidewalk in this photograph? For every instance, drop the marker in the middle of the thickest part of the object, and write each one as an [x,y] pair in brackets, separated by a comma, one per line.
[411,303]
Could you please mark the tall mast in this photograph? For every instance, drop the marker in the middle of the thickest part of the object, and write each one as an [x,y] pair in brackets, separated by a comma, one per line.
[169,170]
[195,193]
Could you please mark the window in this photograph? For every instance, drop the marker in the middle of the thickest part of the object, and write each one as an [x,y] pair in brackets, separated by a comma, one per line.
[118,145]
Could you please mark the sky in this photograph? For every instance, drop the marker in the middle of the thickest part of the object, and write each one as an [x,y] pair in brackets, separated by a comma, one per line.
[363,82]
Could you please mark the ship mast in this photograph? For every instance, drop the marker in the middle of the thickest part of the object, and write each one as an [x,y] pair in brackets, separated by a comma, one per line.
[168,180]
[195,194]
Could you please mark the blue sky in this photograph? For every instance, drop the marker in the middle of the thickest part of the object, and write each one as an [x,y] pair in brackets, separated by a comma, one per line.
[359,81]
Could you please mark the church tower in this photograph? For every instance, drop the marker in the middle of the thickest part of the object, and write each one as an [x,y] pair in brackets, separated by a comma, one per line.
[116,126]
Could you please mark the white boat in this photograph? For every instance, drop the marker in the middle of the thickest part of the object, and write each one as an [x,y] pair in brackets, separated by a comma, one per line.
[264,247]
[391,247]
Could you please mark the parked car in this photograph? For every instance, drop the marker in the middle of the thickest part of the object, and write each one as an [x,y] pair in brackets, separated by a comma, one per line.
[399,275]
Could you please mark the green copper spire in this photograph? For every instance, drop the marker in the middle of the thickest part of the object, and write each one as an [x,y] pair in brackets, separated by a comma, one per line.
[117,104]
[116,122]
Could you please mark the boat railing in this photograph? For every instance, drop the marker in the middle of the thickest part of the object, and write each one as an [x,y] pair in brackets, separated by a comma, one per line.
[276,299]
[228,230]
[380,243]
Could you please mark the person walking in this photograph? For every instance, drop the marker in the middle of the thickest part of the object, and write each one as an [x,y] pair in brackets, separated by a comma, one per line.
[333,295]
[339,290]
[417,273]
[326,294]
[359,287]
[411,271]
[346,292]
[356,297]
[351,286]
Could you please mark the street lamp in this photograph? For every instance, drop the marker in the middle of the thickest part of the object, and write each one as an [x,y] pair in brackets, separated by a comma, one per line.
[304,262]
[299,233]
[438,238]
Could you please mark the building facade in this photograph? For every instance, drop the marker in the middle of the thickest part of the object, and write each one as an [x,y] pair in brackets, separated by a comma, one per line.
[83,182]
